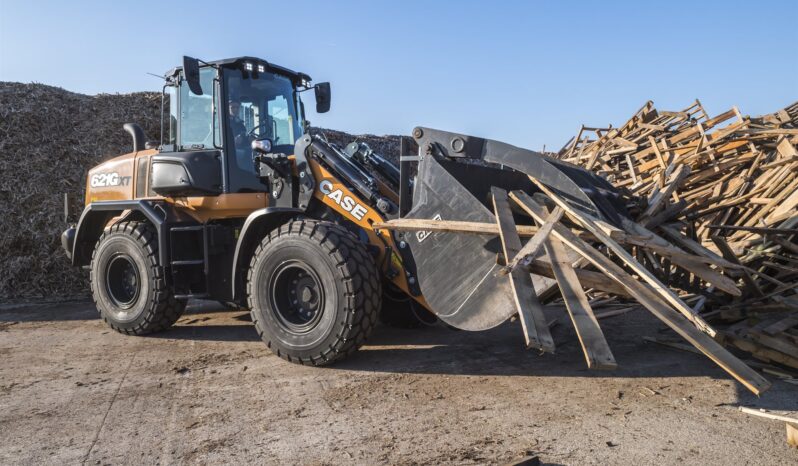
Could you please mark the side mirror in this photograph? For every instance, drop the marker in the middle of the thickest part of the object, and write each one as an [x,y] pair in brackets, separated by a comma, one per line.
[322,97]
[192,74]
[262,146]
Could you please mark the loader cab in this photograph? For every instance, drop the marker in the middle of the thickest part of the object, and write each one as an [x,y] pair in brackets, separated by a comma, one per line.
[216,110]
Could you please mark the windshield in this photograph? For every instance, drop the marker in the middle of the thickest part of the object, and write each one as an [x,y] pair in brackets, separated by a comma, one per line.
[262,107]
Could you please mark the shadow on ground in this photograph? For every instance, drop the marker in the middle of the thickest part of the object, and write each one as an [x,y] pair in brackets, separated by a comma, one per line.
[444,351]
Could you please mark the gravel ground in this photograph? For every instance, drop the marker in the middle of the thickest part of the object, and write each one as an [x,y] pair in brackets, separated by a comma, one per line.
[207,391]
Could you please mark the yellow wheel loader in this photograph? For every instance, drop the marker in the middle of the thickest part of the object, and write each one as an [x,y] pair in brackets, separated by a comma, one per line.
[239,203]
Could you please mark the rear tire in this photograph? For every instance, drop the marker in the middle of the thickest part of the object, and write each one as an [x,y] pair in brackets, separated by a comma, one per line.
[128,284]
[314,292]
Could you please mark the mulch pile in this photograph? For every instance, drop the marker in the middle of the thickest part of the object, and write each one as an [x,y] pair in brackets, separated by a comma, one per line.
[386,146]
[49,138]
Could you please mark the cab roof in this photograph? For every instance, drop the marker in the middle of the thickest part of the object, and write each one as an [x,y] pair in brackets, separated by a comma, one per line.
[240,61]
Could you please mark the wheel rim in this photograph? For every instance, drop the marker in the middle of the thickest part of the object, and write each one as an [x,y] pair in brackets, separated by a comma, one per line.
[296,296]
[122,281]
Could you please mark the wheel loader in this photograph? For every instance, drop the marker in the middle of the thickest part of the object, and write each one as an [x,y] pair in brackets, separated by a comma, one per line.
[239,203]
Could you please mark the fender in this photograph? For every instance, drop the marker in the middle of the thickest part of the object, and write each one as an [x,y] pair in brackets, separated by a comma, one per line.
[256,224]
[97,214]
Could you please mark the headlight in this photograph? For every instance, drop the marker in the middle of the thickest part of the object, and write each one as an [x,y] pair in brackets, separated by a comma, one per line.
[263,146]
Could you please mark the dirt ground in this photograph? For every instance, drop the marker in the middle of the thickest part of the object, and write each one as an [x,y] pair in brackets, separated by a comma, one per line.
[208,391]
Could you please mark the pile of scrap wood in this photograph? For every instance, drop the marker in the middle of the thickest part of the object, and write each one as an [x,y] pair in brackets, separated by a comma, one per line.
[724,188]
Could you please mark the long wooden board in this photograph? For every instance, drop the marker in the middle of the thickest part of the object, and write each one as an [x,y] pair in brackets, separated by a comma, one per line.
[474,228]
[450,226]
[530,311]
[651,301]
[594,346]
[690,263]
[768,415]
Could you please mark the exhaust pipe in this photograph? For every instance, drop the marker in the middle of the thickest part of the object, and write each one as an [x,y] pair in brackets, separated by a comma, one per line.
[137,133]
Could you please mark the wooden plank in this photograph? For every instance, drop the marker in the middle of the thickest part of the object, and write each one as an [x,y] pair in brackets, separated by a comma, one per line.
[759,230]
[666,214]
[699,249]
[587,278]
[652,301]
[790,246]
[449,226]
[781,325]
[594,346]
[658,286]
[476,228]
[457,226]
[786,149]
[530,311]
[671,185]
[760,351]
[532,246]
[775,343]
[784,210]
[768,415]
[792,434]
[692,263]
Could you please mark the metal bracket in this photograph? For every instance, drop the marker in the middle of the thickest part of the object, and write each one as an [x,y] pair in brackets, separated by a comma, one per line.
[306,180]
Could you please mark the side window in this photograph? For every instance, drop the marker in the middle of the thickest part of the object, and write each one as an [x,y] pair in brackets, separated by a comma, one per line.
[198,124]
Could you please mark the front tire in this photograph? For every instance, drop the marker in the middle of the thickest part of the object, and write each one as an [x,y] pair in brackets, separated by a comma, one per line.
[128,284]
[314,292]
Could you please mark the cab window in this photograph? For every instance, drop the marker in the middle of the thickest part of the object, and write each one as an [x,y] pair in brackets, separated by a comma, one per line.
[198,124]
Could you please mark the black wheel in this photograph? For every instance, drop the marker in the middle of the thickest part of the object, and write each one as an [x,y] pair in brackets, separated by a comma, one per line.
[401,311]
[127,281]
[314,292]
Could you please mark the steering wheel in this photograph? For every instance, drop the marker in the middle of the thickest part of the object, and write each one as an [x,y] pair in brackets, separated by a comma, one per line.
[262,124]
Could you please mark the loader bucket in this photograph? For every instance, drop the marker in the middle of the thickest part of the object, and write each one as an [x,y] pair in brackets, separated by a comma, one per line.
[457,273]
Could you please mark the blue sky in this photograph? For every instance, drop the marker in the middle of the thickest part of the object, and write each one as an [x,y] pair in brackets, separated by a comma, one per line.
[527,73]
